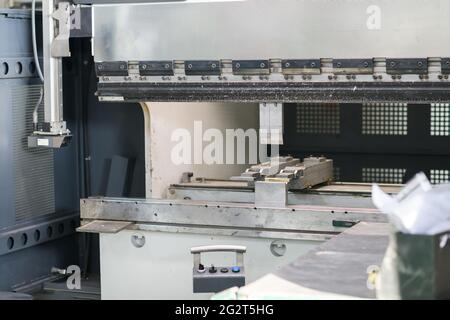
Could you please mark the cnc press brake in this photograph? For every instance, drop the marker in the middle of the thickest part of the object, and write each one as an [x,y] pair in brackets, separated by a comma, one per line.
[311,75]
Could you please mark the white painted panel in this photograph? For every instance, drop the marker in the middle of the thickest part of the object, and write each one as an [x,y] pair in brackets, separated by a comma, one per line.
[162,268]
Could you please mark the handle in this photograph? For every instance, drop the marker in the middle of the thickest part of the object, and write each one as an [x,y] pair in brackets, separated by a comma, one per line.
[219,248]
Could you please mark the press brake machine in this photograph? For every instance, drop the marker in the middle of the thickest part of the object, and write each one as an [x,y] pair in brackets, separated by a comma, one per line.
[263,52]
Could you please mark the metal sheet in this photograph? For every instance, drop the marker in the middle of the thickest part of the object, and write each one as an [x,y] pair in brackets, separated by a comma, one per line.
[271,29]
[104,226]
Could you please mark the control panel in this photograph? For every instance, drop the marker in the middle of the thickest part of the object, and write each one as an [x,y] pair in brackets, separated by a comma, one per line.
[213,278]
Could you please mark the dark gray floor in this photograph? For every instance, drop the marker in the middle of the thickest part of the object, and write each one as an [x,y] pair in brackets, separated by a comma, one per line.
[57,290]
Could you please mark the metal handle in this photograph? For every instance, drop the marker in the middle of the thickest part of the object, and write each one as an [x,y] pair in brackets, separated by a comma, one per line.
[219,248]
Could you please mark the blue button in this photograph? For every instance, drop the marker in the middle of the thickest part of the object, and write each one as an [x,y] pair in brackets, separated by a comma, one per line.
[236,269]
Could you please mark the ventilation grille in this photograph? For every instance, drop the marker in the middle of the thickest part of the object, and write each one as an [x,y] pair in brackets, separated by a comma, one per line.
[318,118]
[383,175]
[440,116]
[33,168]
[439,176]
[385,119]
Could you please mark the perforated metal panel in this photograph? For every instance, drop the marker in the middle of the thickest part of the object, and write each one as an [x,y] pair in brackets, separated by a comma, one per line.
[316,118]
[439,176]
[383,175]
[385,119]
[440,119]
[33,168]
[387,143]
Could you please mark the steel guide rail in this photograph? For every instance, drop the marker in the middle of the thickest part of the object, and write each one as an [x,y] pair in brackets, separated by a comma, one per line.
[293,218]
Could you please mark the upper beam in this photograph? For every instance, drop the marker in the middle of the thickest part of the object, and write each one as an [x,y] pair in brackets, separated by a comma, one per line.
[271,29]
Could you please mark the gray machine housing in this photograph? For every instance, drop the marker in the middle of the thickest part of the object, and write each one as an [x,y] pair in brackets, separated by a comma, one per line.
[38,198]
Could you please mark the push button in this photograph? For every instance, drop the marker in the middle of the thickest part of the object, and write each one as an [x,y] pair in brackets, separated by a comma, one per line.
[201,269]
[236,269]
[212,269]
[224,270]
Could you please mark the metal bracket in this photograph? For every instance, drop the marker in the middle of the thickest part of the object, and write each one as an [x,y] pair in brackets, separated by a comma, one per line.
[202,68]
[49,141]
[60,44]
[251,67]
[116,68]
[353,66]
[271,123]
[291,67]
[406,66]
[156,68]
[445,65]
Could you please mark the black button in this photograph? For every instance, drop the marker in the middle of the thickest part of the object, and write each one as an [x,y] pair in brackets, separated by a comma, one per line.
[212,269]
